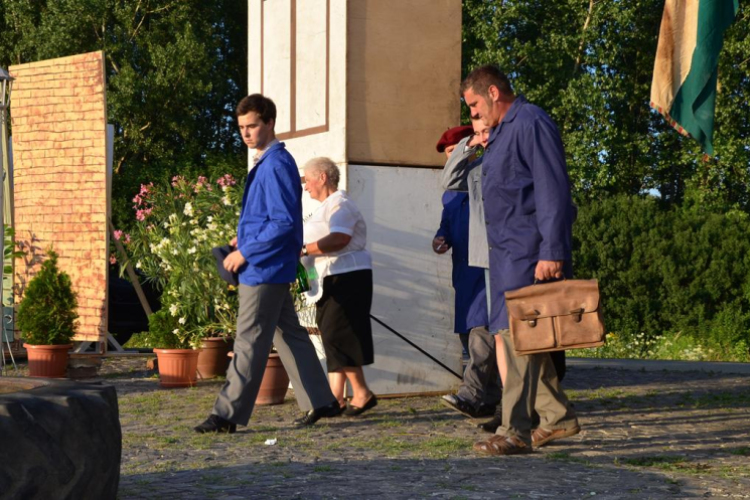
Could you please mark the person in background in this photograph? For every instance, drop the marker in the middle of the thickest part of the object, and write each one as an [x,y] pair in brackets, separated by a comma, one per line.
[268,243]
[479,393]
[335,238]
[529,215]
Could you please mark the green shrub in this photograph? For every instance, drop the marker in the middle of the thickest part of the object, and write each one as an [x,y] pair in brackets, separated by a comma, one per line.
[678,274]
[161,333]
[47,314]
[177,225]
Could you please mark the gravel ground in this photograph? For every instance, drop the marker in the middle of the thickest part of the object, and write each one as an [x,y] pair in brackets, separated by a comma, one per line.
[645,435]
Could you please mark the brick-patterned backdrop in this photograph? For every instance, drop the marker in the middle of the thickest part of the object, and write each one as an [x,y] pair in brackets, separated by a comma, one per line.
[58,114]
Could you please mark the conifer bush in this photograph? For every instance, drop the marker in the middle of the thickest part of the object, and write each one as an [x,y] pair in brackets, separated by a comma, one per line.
[675,280]
[48,315]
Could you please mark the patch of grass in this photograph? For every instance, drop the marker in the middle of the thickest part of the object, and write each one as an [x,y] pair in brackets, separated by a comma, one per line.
[389,423]
[564,456]
[743,451]
[670,463]
[733,471]
[322,468]
[203,441]
[722,399]
[444,445]
[653,460]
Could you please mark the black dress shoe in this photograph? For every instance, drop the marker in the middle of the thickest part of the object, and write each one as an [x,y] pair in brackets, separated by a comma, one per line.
[312,416]
[464,407]
[215,423]
[353,411]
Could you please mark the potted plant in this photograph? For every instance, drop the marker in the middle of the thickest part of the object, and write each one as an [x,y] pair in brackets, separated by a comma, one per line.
[47,318]
[177,359]
[275,382]
[213,360]
[177,225]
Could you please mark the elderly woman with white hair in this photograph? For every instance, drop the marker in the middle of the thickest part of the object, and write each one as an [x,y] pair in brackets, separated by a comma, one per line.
[335,237]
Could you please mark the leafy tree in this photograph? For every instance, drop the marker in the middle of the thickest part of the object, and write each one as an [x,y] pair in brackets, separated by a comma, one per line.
[589,63]
[175,70]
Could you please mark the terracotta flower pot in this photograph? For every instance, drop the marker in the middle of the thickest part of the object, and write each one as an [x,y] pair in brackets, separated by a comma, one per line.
[275,382]
[50,361]
[213,360]
[178,367]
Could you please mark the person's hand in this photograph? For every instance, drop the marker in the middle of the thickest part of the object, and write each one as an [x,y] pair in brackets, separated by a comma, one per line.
[439,245]
[233,243]
[234,261]
[548,269]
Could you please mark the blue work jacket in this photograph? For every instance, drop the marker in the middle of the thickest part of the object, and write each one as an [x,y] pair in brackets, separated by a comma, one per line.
[528,208]
[468,282]
[269,233]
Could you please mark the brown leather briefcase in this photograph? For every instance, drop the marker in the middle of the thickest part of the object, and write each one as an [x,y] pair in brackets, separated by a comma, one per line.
[555,316]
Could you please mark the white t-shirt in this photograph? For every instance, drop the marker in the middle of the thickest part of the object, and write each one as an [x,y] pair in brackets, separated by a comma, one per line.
[337,214]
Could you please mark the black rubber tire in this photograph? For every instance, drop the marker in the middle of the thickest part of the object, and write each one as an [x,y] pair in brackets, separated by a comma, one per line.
[60,440]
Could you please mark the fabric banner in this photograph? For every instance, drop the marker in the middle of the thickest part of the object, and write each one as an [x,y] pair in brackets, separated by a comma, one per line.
[685,71]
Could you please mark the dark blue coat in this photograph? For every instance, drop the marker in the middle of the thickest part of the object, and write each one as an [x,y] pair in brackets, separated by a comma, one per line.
[527,202]
[471,300]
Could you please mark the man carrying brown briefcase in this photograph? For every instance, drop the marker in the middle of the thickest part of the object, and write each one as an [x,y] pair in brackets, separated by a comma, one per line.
[529,218]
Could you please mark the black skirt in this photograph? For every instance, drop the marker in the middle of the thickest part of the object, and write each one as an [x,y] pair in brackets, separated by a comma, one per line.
[343,317]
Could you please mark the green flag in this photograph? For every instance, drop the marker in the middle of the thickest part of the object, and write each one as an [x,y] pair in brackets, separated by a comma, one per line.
[685,71]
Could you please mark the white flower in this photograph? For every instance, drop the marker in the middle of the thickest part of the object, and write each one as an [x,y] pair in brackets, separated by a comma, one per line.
[173,216]
[210,218]
[175,252]
[181,321]
[176,331]
[174,309]
[138,265]
[226,200]
[192,250]
[188,209]
[212,226]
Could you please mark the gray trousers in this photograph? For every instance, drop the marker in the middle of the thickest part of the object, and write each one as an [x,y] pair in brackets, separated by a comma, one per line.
[267,317]
[481,384]
[531,384]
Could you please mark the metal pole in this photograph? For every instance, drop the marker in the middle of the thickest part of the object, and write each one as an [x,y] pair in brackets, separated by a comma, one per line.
[3,155]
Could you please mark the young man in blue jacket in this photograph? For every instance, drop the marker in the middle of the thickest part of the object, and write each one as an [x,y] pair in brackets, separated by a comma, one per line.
[268,245]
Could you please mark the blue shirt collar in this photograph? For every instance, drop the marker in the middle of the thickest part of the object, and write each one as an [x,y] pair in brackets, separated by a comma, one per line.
[509,116]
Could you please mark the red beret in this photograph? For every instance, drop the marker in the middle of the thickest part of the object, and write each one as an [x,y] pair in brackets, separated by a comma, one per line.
[453,136]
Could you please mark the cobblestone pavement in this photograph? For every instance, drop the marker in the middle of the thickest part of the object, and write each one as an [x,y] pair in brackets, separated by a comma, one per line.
[645,435]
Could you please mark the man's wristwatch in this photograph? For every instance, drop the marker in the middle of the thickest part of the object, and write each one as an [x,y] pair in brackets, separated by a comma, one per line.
[304,250]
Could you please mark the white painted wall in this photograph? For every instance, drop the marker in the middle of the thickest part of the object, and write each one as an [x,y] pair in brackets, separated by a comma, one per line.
[413,293]
[401,205]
